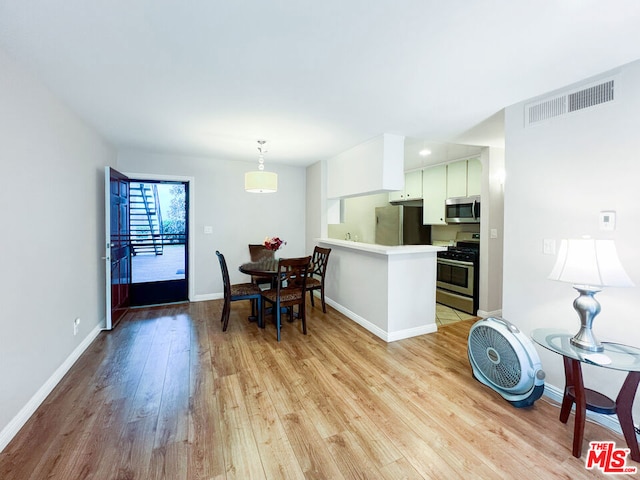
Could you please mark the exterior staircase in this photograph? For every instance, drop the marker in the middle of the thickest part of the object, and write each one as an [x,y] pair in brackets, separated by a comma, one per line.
[145,219]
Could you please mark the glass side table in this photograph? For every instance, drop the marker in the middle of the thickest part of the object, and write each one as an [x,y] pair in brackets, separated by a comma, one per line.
[616,357]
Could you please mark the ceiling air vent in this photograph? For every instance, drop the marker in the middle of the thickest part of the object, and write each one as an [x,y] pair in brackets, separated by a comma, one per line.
[569,102]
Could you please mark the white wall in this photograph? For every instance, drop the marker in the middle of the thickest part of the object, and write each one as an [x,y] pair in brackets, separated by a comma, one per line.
[559,174]
[372,167]
[238,218]
[315,205]
[491,247]
[52,210]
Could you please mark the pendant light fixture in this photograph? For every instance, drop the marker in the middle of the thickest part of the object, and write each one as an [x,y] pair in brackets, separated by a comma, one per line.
[260,181]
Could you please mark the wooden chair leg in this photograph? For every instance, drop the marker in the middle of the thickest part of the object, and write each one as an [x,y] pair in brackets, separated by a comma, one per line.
[225,317]
[262,312]
[324,307]
[259,312]
[277,308]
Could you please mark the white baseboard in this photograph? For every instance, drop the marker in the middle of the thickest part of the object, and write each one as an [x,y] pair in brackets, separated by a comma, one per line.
[377,331]
[14,426]
[493,313]
[207,296]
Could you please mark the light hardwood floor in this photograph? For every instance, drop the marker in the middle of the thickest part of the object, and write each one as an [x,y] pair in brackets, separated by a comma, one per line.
[169,395]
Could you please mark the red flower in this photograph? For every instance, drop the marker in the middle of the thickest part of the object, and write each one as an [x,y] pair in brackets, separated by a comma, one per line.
[273,243]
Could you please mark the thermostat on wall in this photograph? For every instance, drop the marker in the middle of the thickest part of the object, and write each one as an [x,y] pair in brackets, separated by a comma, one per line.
[608,220]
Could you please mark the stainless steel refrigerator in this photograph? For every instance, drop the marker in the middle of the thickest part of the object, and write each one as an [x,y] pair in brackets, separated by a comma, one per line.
[401,225]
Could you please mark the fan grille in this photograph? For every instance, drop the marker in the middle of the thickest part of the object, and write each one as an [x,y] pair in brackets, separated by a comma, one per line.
[494,356]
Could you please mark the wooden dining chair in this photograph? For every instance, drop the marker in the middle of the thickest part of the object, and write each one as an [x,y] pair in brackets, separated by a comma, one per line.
[235,292]
[289,290]
[259,252]
[317,273]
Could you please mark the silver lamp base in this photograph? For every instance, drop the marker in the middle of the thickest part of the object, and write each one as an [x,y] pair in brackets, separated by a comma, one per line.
[587,307]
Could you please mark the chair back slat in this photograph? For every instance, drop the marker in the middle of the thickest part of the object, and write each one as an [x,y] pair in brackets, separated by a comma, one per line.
[259,252]
[319,261]
[226,283]
[293,273]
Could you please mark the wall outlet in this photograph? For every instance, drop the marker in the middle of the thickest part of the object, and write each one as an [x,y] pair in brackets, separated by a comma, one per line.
[76,326]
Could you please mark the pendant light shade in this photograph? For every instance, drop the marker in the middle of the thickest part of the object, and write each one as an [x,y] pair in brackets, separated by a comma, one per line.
[259,181]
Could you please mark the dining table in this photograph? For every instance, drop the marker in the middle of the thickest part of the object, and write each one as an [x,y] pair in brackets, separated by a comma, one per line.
[266,267]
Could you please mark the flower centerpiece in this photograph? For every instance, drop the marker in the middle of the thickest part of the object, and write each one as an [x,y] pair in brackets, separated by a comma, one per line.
[273,243]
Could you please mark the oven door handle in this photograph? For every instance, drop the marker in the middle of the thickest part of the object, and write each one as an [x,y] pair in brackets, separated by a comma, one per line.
[461,263]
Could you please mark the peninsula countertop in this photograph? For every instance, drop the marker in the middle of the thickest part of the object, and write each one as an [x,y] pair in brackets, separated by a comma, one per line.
[382,249]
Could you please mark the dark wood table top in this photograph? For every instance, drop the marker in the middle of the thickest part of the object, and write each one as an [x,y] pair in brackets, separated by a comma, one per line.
[263,267]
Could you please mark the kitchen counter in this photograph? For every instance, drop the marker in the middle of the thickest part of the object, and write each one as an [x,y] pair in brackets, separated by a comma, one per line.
[389,290]
[382,249]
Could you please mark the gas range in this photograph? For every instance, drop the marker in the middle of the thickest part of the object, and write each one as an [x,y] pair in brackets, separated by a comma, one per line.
[458,273]
[466,249]
[460,254]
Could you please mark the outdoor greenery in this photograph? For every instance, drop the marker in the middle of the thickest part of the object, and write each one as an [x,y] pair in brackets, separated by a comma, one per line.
[174,218]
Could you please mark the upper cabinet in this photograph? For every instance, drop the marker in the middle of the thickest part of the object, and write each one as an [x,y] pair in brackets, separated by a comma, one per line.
[474,176]
[412,188]
[434,190]
[457,179]
[463,178]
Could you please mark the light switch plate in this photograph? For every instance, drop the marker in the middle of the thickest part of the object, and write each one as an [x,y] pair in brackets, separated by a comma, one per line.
[607,220]
[549,246]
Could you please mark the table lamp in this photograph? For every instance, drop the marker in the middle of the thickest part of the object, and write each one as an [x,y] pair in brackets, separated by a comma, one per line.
[589,265]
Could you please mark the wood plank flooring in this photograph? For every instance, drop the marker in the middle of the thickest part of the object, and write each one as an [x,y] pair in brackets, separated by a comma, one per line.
[168,395]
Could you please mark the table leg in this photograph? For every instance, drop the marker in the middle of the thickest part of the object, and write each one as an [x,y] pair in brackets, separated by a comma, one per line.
[624,403]
[574,392]
[567,399]
[581,409]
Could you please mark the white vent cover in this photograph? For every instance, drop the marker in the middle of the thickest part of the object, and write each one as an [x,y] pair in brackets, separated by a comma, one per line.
[568,102]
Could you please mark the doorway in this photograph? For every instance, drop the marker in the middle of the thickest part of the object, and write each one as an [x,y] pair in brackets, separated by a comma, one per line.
[159,246]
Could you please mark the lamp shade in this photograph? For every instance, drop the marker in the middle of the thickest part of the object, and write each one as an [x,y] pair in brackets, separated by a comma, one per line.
[261,182]
[589,262]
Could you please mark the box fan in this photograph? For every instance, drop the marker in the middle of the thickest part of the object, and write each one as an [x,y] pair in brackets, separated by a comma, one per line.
[504,359]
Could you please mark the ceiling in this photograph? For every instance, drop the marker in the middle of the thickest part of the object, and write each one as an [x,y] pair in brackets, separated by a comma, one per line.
[211,77]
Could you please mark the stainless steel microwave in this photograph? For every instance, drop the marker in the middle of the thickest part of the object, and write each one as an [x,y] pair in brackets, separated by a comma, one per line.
[462,209]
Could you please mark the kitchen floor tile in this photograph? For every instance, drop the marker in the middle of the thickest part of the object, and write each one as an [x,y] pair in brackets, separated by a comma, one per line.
[446,315]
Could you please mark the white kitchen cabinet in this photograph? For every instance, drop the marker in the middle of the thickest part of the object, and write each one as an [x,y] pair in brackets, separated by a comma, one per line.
[412,188]
[463,178]
[434,194]
[474,176]
[396,196]
[457,179]
[413,185]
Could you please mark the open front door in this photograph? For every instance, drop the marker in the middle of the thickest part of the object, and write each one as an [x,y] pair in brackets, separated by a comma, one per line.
[118,249]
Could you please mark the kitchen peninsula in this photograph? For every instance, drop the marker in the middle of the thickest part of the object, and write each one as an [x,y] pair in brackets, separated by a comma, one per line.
[390,291]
